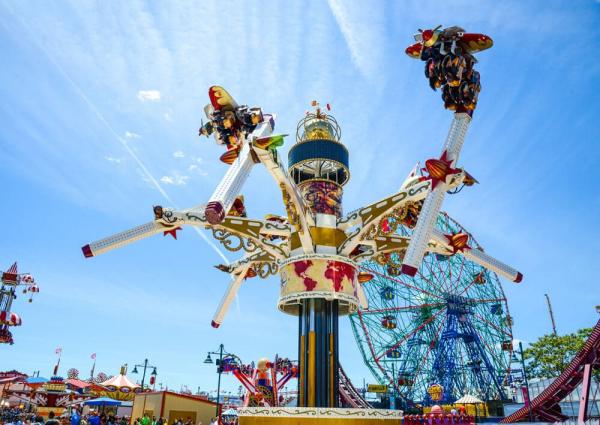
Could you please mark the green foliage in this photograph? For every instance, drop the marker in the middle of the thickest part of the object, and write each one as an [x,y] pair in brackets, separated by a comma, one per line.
[551,354]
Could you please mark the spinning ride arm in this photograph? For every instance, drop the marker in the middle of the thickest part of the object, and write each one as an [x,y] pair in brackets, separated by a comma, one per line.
[261,264]
[231,185]
[481,258]
[166,221]
[292,198]
[433,203]
[362,223]
[236,281]
[169,221]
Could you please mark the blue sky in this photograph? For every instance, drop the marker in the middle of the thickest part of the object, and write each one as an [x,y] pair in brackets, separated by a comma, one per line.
[100,103]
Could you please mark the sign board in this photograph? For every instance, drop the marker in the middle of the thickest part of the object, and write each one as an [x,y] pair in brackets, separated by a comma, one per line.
[377,388]
[435,391]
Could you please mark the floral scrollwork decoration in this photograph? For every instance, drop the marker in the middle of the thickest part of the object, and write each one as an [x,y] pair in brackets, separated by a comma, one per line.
[266,269]
[233,242]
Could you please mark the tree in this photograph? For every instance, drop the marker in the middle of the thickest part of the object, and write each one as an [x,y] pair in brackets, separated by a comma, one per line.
[551,354]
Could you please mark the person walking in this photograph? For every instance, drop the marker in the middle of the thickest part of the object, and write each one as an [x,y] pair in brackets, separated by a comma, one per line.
[51,420]
[75,417]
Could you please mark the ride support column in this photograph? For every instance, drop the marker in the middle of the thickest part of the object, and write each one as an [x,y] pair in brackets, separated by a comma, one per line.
[318,353]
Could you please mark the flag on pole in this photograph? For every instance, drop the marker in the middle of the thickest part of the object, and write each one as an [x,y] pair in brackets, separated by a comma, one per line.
[93,357]
[58,351]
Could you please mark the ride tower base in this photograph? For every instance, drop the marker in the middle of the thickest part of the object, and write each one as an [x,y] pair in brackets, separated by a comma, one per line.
[316,415]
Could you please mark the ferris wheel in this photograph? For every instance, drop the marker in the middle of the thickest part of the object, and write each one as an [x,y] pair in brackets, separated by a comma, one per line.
[438,335]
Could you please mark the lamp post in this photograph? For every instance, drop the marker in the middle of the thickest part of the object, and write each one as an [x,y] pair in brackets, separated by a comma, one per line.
[219,363]
[522,361]
[145,366]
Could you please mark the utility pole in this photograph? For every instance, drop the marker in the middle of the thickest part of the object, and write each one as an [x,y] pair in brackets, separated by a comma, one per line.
[551,314]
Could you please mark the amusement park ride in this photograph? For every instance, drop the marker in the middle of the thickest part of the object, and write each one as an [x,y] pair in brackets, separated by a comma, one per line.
[264,382]
[325,257]
[11,281]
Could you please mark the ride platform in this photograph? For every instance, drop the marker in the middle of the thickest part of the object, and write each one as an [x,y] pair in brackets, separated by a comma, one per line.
[317,415]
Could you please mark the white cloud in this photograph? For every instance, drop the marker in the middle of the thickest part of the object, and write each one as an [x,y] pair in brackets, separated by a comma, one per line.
[131,135]
[168,116]
[178,154]
[176,179]
[359,26]
[150,95]
[196,169]
[113,159]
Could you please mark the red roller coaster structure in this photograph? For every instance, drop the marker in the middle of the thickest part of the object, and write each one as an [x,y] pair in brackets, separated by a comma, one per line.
[545,407]
[349,395]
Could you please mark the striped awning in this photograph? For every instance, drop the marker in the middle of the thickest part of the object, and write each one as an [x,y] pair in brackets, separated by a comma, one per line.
[468,399]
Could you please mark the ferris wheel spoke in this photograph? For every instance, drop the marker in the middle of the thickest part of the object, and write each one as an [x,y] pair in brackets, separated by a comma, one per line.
[398,309]
[430,348]
[430,282]
[492,325]
[488,300]
[460,272]
[432,273]
[467,288]
[369,342]
[411,333]
[445,276]
[393,279]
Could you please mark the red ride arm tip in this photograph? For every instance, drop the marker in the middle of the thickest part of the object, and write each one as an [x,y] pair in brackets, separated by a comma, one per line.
[409,270]
[215,324]
[519,278]
[87,251]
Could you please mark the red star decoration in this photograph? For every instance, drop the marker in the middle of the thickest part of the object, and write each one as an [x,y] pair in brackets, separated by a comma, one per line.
[458,242]
[172,232]
[439,169]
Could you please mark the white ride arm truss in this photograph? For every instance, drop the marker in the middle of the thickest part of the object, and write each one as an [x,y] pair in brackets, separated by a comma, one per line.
[230,186]
[481,258]
[360,223]
[365,218]
[237,278]
[433,203]
[296,202]
[258,231]
[121,239]
[261,263]
[168,223]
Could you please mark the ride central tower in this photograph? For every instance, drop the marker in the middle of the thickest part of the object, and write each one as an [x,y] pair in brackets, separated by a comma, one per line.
[318,287]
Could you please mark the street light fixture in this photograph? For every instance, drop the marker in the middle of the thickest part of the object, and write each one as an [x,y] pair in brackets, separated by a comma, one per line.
[145,366]
[219,363]
[522,361]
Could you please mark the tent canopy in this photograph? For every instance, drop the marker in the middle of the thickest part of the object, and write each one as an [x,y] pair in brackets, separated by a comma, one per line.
[468,399]
[119,381]
[102,401]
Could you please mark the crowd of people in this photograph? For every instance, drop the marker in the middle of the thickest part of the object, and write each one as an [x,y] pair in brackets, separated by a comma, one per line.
[147,420]
[15,416]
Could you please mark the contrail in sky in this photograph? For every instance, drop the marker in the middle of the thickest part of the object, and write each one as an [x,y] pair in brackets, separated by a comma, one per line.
[122,141]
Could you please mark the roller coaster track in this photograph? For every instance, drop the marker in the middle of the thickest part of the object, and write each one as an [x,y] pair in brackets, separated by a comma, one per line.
[545,406]
[349,395]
